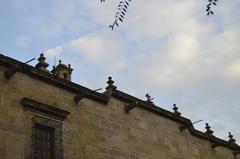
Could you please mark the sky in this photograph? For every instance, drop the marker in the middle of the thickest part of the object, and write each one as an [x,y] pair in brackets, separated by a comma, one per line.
[167,48]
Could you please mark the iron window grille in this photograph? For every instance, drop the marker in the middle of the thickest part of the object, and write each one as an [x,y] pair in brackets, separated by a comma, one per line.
[47,139]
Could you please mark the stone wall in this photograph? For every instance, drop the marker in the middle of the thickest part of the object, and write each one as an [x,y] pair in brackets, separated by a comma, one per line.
[93,130]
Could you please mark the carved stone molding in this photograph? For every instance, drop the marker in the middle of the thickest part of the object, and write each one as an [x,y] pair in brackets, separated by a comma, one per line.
[45,109]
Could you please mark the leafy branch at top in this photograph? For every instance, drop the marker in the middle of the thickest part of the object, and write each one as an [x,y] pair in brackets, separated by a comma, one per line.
[121,12]
[209,6]
[124,4]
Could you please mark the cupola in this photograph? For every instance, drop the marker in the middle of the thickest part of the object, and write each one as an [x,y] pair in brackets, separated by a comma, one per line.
[62,71]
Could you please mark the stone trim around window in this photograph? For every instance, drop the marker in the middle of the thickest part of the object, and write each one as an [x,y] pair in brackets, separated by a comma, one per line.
[44,109]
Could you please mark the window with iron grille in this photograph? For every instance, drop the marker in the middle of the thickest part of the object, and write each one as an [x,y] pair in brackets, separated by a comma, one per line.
[46,139]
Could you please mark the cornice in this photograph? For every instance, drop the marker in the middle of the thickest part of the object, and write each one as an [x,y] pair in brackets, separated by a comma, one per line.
[51,79]
[170,115]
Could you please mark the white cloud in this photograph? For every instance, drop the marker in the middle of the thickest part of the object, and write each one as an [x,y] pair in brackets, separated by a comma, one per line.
[53,52]
[183,48]
[234,69]
[162,18]
[101,48]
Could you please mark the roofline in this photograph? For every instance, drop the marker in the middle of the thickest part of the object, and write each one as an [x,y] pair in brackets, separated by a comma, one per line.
[170,115]
[103,98]
[52,79]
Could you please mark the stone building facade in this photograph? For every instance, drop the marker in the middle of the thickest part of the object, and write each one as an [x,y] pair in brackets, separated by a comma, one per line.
[43,115]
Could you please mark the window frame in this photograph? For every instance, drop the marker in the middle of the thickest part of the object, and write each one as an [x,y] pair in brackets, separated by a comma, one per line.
[57,127]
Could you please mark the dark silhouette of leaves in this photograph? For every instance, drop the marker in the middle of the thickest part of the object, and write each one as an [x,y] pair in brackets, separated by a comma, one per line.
[121,12]
[209,7]
[124,4]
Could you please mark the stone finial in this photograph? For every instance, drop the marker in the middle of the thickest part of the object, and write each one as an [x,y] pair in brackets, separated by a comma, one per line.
[231,139]
[149,99]
[208,130]
[110,86]
[175,108]
[70,69]
[42,65]
[110,83]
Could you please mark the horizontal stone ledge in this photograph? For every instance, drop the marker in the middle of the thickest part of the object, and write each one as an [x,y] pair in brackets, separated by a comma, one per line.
[45,109]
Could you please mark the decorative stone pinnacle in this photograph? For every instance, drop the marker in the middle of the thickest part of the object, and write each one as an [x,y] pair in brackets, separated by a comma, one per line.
[231,139]
[70,69]
[175,108]
[60,61]
[110,83]
[149,99]
[208,130]
[42,65]
[41,57]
